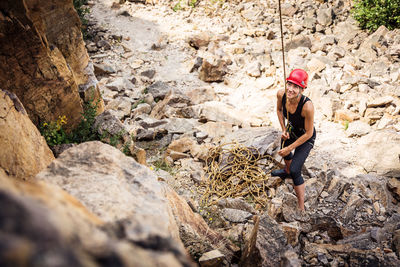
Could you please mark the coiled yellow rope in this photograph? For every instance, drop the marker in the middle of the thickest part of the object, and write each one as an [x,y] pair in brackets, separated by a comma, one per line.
[237,171]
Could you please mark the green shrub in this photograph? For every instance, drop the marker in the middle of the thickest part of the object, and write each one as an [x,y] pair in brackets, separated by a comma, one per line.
[373,13]
[55,134]
[85,131]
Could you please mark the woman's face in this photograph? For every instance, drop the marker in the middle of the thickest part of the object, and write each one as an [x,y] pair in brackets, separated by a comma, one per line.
[293,90]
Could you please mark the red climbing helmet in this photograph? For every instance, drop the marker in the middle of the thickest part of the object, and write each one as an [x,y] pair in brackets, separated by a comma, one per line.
[299,77]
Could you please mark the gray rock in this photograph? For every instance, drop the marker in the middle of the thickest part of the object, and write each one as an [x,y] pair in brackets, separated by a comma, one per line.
[180,125]
[380,102]
[385,160]
[142,108]
[338,51]
[108,123]
[325,16]
[299,41]
[236,216]
[310,23]
[120,84]
[159,89]
[236,203]
[148,73]
[253,69]
[264,139]
[103,44]
[122,106]
[101,69]
[290,259]
[212,258]
[358,128]
[328,40]
[288,9]
[149,122]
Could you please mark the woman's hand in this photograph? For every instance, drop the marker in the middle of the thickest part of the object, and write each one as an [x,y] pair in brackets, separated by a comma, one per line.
[284,152]
[285,135]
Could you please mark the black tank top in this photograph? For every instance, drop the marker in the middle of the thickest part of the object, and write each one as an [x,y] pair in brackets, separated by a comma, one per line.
[296,121]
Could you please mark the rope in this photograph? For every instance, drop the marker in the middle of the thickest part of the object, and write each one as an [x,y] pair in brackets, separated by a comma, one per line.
[237,171]
[284,69]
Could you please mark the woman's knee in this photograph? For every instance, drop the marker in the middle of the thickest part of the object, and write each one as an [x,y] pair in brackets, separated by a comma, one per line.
[295,173]
[298,180]
[294,170]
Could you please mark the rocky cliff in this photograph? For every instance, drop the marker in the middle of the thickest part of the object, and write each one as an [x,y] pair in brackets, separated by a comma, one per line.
[44,61]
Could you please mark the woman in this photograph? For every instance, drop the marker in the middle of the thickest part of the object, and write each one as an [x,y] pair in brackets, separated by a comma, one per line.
[300,133]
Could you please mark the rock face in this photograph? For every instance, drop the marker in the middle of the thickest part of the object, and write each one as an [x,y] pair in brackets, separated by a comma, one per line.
[43,58]
[41,222]
[24,151]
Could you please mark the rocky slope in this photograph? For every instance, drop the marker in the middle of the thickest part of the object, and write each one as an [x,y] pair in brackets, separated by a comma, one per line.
[179,84]
[227,60]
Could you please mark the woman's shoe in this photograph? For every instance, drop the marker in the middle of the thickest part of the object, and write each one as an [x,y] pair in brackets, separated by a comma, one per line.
[281,173]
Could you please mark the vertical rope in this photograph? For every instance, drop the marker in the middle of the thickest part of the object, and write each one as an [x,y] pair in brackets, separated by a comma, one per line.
[284,66]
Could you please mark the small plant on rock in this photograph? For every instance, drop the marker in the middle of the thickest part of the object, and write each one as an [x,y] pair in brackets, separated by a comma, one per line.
[162,165]
[54,133]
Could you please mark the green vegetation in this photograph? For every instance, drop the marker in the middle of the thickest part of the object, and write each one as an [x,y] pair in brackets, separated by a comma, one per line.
[85,130]
[111,139]
[184,4]
[162,165]
[54,133]
[346,124]
[82,11]
[177,6]
[141,101]
[373,13]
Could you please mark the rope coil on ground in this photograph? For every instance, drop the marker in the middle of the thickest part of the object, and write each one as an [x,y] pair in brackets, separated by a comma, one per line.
[237,171]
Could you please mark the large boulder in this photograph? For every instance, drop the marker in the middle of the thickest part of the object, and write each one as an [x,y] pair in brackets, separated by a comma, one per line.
[118,190]
[41,223]
[378,152]
[24,151]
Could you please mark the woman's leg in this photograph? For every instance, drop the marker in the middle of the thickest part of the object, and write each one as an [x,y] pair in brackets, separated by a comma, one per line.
[287,163]
[299,157]
[300,192]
